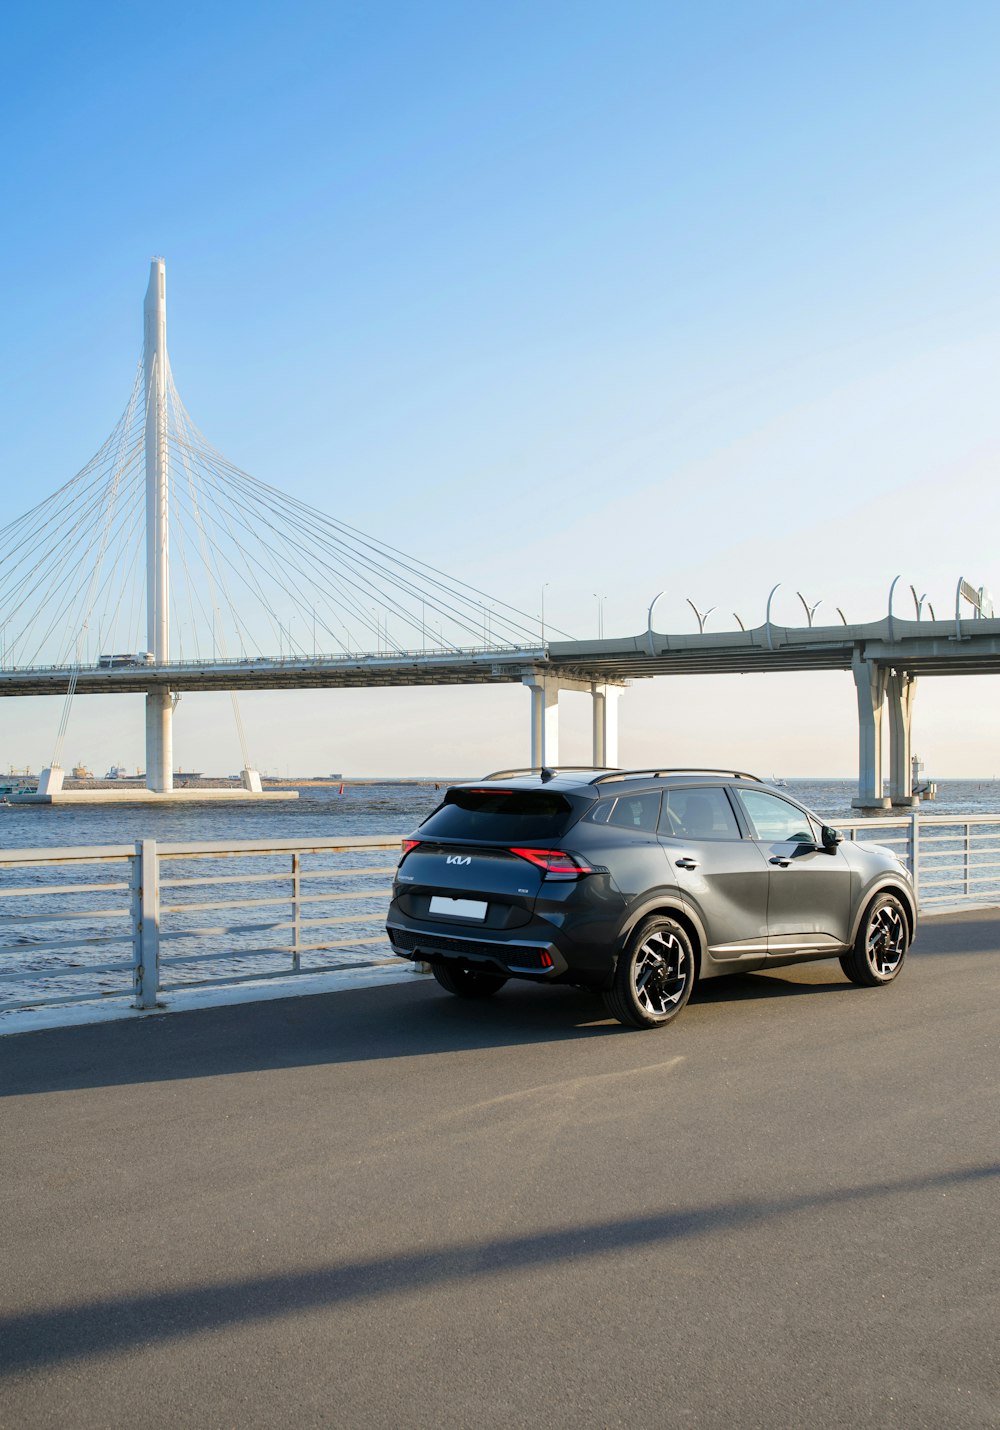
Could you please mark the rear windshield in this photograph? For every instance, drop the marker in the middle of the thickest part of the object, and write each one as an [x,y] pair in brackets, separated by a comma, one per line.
[508,816]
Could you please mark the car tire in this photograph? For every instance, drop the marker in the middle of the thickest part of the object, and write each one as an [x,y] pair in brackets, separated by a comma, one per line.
[881,944]
[654,976]
[467,982]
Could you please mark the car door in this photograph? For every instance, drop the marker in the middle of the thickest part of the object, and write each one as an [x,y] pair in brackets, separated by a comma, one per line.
[721,874]
[809,887]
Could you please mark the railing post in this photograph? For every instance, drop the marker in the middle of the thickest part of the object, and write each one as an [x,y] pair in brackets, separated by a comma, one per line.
[968,860]
[914,852]
[296,913]
[147,966]
[135,919]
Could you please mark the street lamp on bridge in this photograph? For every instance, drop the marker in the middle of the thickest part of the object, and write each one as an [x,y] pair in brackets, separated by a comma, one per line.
[701,616]
[809,610]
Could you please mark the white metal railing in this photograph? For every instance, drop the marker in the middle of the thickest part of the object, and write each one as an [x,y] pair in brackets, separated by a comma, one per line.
[187,914]
[345,657]
[954,859]
[183,915]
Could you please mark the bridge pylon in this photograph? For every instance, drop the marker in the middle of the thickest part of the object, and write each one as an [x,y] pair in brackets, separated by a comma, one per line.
[159,703]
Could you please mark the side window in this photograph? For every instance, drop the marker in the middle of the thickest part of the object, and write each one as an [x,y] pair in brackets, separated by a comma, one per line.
[698,814]
[773,819]
[636,811]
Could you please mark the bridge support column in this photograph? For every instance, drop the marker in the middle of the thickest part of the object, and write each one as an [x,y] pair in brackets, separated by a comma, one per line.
[159,740]
[870,681]
[605,698]
[544,719]
[51,780]
[901,690]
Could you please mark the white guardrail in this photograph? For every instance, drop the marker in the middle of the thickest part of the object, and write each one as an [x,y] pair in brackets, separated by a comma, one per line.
[184,915]
[180,915]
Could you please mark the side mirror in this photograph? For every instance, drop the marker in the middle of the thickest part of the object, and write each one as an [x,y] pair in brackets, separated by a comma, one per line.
[831,838]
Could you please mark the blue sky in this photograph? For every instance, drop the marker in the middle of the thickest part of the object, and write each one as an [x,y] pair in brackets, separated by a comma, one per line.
[621,298]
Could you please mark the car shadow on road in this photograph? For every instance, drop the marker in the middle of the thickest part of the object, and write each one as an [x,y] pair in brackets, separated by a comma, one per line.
[774,983]
[46,1338]
[412,1019]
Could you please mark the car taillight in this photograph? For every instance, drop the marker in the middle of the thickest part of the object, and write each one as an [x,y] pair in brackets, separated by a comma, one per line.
[556,863]
[408,844]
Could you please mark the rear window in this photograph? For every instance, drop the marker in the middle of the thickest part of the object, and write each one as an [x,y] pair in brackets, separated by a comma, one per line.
[505,815]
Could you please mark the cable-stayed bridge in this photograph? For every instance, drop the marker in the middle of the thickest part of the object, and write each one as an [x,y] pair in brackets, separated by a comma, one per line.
[162,568]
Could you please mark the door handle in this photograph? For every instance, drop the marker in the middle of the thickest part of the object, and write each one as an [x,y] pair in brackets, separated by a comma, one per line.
[686,863]
[781,862]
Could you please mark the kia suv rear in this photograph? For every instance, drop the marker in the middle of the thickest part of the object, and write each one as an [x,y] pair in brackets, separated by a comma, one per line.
[637,883]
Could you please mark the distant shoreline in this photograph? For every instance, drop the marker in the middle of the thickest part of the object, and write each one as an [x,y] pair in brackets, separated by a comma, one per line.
[273,781]
[182,781]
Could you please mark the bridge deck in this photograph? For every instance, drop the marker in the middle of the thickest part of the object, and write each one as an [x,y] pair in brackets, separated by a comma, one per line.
[920,647]
[389,1208]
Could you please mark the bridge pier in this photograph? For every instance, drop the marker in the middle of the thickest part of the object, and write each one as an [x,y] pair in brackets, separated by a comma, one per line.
[545,690]
[50,781]
[870,681]
[159,740]
[901,691]
[878,687]
[605,723]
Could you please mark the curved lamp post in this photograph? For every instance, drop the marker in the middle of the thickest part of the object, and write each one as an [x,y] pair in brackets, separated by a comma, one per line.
[649,621]
[918,601]
[767,615]
[701,616]
[809,610]
[892,634]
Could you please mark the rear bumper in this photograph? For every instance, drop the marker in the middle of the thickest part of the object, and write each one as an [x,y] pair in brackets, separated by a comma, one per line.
[538,959]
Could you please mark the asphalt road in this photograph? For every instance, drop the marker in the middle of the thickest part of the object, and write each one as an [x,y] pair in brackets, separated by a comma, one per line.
[391,1208]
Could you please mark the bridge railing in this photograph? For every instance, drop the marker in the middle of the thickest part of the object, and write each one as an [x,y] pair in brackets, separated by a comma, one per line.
[501,649]
[182,915]
[138,921]
[954,859]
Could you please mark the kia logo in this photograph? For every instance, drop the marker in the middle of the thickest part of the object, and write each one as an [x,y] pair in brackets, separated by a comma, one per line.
[458,859]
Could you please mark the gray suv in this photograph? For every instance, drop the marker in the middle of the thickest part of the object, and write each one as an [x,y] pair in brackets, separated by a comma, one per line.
[638,883]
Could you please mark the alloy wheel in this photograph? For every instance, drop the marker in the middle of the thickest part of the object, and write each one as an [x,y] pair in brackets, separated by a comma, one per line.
[660,973]
[886,942]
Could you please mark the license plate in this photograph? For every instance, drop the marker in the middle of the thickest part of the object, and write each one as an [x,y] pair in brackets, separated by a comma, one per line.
[458,908]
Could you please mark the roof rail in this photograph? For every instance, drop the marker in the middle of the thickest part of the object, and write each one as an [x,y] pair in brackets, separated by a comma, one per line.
[678,770]
[552,769]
